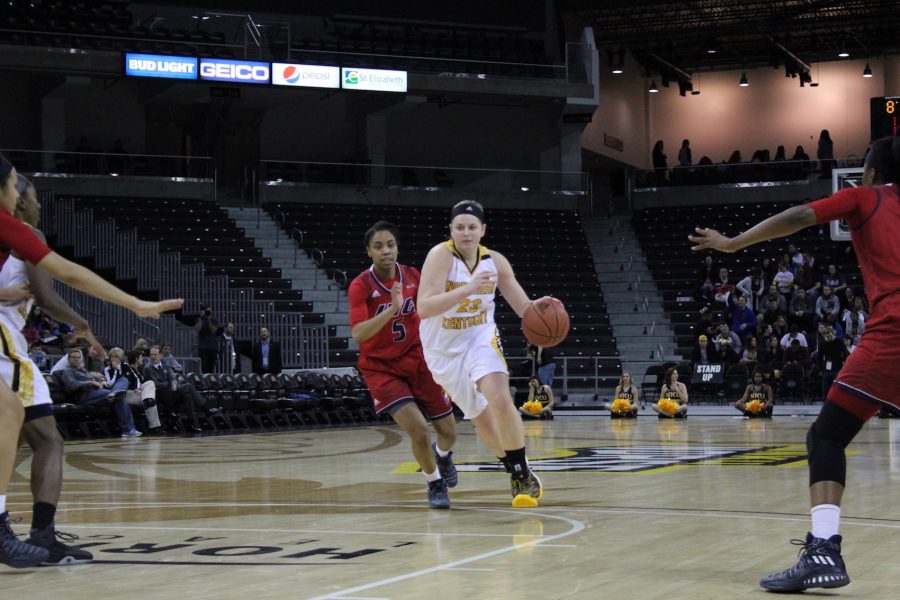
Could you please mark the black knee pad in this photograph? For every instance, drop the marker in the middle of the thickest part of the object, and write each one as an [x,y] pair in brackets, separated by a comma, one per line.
[826,440]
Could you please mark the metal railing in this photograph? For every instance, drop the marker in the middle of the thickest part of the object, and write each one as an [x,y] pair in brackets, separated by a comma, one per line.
[422,177]
[60,162]
[581,374]
[744,172]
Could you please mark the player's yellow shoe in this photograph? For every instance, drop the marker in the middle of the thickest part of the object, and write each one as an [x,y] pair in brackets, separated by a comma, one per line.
[526,491]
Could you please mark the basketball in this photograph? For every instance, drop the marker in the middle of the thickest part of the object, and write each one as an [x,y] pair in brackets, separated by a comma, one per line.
[545,323]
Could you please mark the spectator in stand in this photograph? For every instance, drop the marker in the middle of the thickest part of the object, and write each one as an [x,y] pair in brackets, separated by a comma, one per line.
[780,327]
[795,353]
[704,353]
[800,164]
[659,163]
[796,257]
[829,357]
[784,280]
[794,334]
[772,312]
[751,351]
[546,365]
[728,345]
[827,304]
[707,278]
[230,349]
[266,354]
[91,389]
[803,280]
[854,324]
[849,344]
[141,344]
[831,321]
[168,359]
[140,393]
[769,268]
[743,319]
[707,324]
[780,301]
[207,342]
[763,332]
[722,288]
[169,392]
[848,299]
[684,154]
[825,154]
[834,280]
[753,287]
[801,310]
[770,352]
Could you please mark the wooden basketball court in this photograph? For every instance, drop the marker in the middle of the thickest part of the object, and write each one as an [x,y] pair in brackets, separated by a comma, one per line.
[633,509]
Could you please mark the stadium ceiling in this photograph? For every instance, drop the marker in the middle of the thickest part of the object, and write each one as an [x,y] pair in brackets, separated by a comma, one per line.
[744,33]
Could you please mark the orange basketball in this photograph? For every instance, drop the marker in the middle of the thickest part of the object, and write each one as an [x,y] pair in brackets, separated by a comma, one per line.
[545,323]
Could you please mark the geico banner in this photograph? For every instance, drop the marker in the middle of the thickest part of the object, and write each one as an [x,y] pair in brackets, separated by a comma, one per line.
[306,75]
[235,71]
[376,80]
[156,65]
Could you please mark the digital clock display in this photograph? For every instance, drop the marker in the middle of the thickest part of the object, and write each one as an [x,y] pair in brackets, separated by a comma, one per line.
[884,112]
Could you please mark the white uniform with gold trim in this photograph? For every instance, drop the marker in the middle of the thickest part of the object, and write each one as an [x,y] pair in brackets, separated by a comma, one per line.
[462,345]
[16,369]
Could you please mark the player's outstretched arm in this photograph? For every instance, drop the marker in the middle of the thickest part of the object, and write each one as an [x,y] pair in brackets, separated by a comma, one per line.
[783,224]
[80,278]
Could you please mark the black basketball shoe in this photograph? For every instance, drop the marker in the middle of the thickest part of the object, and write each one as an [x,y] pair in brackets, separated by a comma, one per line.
[15,553]
[60,553]
[446,467]
[437,494]
[820,566]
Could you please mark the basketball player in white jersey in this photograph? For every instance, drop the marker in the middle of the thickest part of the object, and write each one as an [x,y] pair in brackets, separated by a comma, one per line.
[39,428]
[462,347]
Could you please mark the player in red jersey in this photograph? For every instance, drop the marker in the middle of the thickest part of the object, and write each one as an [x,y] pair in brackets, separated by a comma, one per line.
[870,379]
[18,238]
[384,321]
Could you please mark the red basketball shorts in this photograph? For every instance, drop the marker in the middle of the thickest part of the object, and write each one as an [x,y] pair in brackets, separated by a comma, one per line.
[402,379]
[870,379]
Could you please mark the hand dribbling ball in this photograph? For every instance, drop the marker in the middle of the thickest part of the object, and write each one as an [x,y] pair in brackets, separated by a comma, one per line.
[545,322]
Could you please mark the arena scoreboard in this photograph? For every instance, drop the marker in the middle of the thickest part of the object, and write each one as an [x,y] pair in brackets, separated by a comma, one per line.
[884,111]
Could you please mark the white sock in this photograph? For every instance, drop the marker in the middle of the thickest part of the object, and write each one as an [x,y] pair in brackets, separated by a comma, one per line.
[441,453]
[429,477]
[825,520]
[2,503]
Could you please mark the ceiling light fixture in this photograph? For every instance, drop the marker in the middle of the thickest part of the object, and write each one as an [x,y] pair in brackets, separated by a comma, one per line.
[653,89]
[744,82]
[867,72]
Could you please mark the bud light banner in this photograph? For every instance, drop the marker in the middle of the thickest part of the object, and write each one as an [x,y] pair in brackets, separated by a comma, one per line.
[234,71]
[155,65]
[376,80]
[306,75]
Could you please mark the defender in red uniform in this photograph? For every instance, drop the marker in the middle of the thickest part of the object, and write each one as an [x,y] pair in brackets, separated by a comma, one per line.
[870,379]
[384,321]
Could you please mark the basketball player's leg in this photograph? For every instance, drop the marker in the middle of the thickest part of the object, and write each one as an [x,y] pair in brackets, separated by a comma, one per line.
[13,552]
[410,418]
[495,387]
[46,445]
[864,384]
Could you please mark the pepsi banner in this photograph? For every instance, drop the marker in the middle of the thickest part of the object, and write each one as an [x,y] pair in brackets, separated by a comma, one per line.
[306,75]
[376,80]
[234,71]
[156,65]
